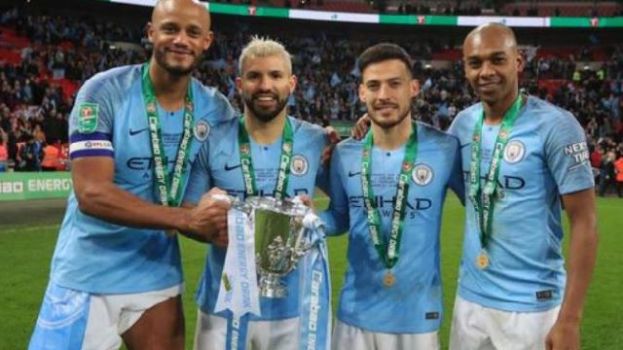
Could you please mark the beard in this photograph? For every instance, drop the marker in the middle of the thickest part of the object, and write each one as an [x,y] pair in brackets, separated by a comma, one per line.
[264,115]
[388,124]
[175,70]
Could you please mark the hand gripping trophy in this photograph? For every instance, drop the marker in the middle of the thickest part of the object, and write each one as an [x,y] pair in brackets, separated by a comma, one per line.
[268,239]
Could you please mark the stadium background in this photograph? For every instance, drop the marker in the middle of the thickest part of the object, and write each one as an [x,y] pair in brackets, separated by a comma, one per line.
[48,48]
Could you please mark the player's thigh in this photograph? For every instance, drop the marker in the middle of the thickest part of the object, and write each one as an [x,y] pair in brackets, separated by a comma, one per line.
[73,320]
[349,337]
[469,327]
[154,321]
[522,330]
[274,335]
[210,332]
[407,341]
[475,327]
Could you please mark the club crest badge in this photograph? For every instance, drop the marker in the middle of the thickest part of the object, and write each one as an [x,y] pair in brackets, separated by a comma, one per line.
[514,152]
[202,130]
[422,174]
[299,166]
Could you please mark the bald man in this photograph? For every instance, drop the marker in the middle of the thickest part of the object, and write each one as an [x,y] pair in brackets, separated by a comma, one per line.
[134,132]
[522,158]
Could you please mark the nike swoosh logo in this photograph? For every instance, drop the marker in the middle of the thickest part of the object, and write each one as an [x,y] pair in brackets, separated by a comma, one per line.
[465,145]
[230,168]
[353,173]
[134,132]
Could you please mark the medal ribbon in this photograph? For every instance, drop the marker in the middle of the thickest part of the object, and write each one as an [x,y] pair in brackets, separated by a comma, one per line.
[168,185]
[483,198]
[389,258]
[246,162]
[238,290]
[315,291]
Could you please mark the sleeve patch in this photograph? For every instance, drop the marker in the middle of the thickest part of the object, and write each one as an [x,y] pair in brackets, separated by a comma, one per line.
[88,116]
[578,152]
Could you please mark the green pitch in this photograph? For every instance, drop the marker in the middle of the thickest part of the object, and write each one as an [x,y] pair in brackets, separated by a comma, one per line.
[25,253]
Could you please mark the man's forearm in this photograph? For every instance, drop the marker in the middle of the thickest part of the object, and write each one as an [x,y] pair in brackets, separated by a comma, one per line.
[111,203]
[582,256]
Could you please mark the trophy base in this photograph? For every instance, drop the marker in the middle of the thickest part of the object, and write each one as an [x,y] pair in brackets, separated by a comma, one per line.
[271,286]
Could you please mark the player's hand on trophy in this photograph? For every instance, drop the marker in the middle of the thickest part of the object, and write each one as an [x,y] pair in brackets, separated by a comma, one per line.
[209,218]
[305,199]
[361,127]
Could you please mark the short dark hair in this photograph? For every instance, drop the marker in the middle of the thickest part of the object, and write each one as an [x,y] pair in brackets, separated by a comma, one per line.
[383,52]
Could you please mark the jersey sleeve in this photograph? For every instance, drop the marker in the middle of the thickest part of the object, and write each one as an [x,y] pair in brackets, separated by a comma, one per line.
[216,108]
[455,126]
[336,217]
[199,181]
[322,177]
[462,127]
[567,155]
[455,181]
[91,121]
[223,109]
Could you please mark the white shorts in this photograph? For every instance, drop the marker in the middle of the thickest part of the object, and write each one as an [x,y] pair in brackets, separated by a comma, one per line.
[211,333]
[74,320]
[475,327]
[350,337]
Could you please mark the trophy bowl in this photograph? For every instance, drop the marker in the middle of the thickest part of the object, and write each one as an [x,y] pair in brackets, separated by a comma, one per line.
[279,241]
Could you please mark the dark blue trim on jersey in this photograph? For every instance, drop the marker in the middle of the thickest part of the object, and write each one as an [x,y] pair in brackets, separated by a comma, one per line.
[77,137]
[91,153]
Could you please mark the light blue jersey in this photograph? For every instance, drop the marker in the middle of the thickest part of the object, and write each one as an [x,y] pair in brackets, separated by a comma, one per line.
[414,303]
[109,120]
[546,156]
[218,165]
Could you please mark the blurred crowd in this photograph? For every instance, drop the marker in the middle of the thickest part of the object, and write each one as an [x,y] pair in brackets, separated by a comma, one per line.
[34,107]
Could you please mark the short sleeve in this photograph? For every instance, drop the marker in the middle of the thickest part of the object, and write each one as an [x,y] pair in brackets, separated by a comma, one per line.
[455,181]
[567,155]
[214,106]
[199,181]
[322,176]
[336,217]
[91,121]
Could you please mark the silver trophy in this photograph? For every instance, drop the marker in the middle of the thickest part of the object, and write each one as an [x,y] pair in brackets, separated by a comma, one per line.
[279,240]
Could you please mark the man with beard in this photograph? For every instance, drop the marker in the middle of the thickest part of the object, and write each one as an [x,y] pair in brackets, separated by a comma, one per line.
[134,131]
[522,157]
[387,191]
[245,158]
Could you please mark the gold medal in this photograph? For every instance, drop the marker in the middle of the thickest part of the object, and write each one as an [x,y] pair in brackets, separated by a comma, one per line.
[482,260]
[389,279]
